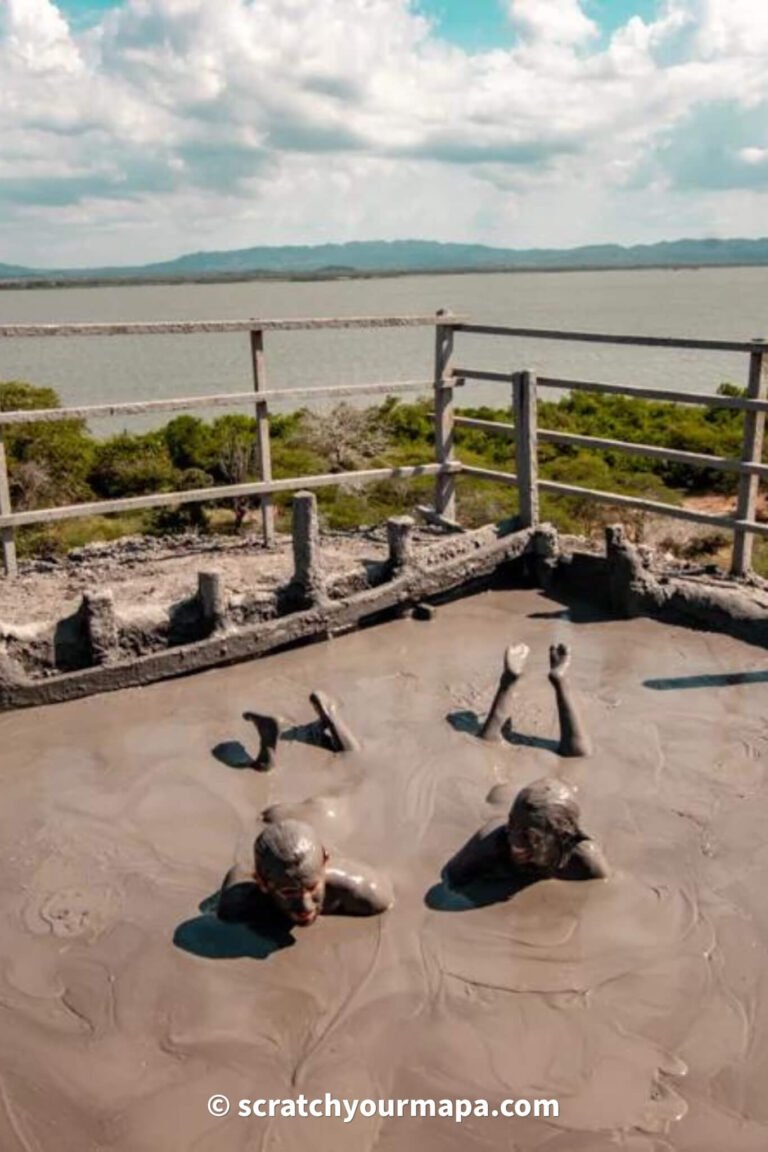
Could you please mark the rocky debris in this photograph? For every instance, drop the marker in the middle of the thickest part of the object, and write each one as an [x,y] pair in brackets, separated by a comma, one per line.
[330,588]
[478,560]
[145,572]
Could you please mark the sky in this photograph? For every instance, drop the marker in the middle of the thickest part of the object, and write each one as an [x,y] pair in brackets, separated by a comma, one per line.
[137,130]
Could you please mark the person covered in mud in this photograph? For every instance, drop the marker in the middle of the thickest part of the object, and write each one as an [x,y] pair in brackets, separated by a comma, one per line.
[294,876]
[334,731]
[574,740]
[541,839]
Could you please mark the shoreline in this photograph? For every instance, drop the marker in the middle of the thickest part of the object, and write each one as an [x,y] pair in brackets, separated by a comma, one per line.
[75,281]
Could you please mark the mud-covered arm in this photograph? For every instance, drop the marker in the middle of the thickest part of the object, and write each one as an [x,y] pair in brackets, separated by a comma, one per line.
[238,895]
[588,862]
[356,890]
[481,856]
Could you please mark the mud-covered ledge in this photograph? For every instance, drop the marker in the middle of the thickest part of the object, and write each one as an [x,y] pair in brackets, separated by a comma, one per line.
[95,650]
[305,609]
[627,581]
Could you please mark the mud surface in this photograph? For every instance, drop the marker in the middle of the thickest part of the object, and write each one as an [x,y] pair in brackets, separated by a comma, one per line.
[125,1005]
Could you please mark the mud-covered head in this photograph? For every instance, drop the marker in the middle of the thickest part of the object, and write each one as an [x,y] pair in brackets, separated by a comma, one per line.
[289,865]
[543,825]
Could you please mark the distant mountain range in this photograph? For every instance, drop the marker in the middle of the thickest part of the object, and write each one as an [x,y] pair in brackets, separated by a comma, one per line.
[404,256]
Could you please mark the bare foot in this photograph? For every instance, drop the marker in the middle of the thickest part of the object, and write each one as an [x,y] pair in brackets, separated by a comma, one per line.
[335,730]
[514,662]
[559,661]
[324,705]
[269,729]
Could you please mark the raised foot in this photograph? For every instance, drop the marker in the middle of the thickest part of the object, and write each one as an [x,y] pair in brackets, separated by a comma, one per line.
[514,661]
[559,661]
[337,734]
[325,706]
[269,729]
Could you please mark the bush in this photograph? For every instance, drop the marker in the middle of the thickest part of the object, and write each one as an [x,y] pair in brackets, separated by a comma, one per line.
[190,443]
[183,517]
[55,463]
[48,464]
[127,465]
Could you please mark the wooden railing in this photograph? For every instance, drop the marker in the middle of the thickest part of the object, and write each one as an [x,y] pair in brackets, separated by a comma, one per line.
[443,468]
[525,386]
[447,376]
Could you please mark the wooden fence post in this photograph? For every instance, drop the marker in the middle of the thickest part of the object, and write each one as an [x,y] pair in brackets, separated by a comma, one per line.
[526,433]
[751,453]
[7,536]
[262,421]
[445,486]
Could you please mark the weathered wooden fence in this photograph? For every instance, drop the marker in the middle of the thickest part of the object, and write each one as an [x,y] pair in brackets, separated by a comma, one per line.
[524,386]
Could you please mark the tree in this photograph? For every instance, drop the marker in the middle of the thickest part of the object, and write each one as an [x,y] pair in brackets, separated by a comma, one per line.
[237,457]
[49,463]
[348,438]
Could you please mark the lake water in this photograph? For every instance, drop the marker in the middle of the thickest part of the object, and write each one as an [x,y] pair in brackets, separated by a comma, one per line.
[730,303]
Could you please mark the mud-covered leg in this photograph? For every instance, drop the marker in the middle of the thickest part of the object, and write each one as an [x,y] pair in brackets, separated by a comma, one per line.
[336,731]
[514,662]
[574,740]
[269,729]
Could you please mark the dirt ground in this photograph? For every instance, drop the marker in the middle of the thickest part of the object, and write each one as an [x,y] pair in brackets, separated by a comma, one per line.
[145,570]
[640,1003]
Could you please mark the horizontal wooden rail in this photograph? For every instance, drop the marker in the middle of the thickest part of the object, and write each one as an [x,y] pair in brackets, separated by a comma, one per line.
[696,459]
[216,400]
[638,502]
[489,474]
[221,492]
[185,327]
[599,443]
[755,345]
[654,506]
[708,399]
[497,427]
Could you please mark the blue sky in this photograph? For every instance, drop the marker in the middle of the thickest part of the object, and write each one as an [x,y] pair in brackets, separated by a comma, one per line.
[475,25]
[82,13]
[478,25]
[204,124]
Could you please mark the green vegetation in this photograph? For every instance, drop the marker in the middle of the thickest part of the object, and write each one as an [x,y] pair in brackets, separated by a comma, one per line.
[63,463]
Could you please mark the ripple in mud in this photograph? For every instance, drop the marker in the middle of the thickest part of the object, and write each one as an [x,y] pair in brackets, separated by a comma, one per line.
[71,912]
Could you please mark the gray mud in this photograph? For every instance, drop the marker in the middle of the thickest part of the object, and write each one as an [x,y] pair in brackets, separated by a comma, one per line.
[124,1007]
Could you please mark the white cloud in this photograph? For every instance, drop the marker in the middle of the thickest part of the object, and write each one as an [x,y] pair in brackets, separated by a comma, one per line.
[556,21]
[242,122]
[753,155]
[732,27]
[36,38]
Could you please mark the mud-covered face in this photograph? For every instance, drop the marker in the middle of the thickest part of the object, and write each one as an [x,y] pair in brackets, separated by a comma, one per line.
[532,846]
[300,900]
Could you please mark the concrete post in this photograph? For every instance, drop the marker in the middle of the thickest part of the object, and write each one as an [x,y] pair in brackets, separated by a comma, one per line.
[308,570]
[212,599]
[400,540]
[101,625]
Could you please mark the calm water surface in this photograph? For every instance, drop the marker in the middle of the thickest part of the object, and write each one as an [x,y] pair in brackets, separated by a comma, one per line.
[711,303]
